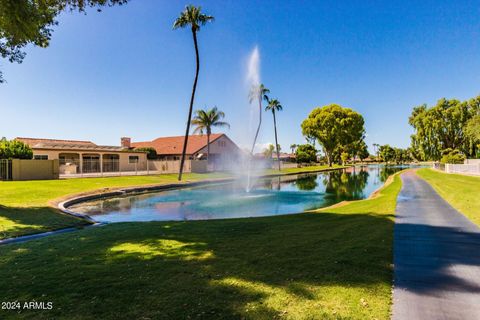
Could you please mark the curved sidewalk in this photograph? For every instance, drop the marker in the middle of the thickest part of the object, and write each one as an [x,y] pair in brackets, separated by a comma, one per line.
[436,257]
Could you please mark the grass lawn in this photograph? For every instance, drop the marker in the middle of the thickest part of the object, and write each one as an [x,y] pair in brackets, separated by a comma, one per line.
[333,264]
[25,207]
[462,192]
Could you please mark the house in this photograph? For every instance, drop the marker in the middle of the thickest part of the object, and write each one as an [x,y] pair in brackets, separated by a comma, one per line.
[76,156]
[222,148]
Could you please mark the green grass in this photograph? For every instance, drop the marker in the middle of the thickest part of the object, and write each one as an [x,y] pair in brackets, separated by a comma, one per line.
[462,192]
[333,264]
[26,206]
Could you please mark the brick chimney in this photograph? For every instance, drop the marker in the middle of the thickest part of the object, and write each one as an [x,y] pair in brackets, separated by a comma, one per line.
[125,142]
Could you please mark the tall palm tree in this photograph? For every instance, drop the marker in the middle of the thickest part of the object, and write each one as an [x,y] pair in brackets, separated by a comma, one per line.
[258,93]
[204,120]
[275,106]
[375,149]
[293,147]
[194,18]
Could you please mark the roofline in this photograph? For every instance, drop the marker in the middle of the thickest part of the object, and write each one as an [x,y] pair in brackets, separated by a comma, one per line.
[192,153]
[53,139]
[220,135]
[83,150]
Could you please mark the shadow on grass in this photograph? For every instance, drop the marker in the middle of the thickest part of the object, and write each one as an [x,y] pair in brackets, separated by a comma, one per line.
[16,222]
[317,266]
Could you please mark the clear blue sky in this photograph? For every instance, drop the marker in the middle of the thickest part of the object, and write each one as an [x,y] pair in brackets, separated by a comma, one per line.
[124,72]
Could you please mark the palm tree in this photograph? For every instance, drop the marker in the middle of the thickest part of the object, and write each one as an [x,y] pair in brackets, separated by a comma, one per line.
[204,120]
[275,106]
[260,93]
[194,18]
[293,147]
[375,149]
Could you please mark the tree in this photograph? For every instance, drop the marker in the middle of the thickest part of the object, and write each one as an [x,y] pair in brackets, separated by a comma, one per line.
[259,93]
[205,120]
[293,146]
[473,132]
[13,149]
[24,22]
[375,148]
[473,128]
[268,151]
[344,156]
[387,153]
[151,152]
[194,18]
[305,153]
[362,151]
[443,126]
[335,128]
[275,106]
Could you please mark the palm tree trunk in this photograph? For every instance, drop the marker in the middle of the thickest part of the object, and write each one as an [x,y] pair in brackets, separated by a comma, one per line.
[208,148]
[276,140]
[185,141]
[259,121]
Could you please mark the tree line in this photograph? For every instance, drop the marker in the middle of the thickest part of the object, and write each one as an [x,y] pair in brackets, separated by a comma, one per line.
[448,131]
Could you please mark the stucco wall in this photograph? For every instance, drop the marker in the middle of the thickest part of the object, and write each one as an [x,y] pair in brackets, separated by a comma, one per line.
[35,169]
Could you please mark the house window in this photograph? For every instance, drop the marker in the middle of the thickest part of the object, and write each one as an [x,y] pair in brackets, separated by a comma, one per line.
[40,157]
[222,143]
[133,159]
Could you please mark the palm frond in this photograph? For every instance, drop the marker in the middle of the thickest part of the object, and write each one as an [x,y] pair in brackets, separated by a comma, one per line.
[222,124]
[204,120]
[192,16]
[274,105]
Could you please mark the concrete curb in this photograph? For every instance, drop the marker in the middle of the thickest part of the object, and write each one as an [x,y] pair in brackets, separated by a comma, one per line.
[45,234]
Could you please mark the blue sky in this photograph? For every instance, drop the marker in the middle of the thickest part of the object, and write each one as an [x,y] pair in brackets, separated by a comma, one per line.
[124,72]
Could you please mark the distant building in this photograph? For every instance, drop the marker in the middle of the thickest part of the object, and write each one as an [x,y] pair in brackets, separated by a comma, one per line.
[222,148]
[76,156]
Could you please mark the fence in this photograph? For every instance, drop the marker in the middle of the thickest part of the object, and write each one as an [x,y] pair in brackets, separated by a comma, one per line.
[472,168]
[5,169]
[115,167]
[469,169]
[439,166]
[28,169]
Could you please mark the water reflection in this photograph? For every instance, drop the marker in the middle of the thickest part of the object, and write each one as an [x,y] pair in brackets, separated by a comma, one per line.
[307,183]
[347,184]
[273,196]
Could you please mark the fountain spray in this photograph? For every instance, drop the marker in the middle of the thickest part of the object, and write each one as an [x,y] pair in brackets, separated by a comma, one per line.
[255,94]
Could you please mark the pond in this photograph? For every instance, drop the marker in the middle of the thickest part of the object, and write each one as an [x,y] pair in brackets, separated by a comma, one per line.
[270,196]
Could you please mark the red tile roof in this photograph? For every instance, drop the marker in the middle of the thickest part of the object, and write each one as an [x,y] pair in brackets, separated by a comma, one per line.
[174,145]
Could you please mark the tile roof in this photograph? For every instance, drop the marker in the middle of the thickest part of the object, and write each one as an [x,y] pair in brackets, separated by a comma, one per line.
[174,145]
[59,144]
[34,141]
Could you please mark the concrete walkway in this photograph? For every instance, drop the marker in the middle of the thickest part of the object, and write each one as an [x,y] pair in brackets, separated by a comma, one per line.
[436,257]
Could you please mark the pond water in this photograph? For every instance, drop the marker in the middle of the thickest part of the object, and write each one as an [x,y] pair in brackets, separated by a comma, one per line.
[270,196]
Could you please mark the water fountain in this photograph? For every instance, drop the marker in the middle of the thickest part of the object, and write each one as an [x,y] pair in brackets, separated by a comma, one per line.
[255,94]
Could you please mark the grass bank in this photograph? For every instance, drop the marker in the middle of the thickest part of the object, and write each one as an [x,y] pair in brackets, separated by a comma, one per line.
[462,192]
[25,206]
[334,264]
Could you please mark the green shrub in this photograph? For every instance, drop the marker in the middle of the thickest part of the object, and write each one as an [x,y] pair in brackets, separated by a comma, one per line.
[452,156]
[306,153]
[13,149]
